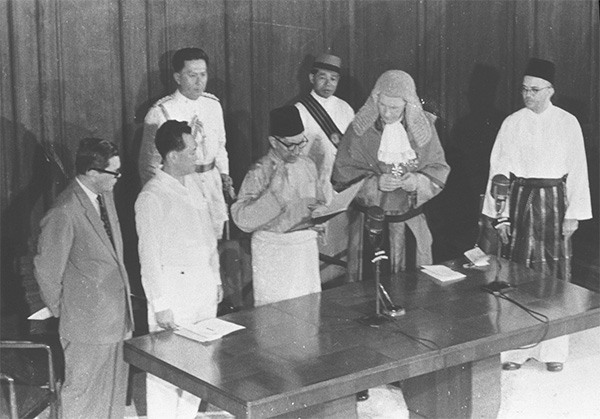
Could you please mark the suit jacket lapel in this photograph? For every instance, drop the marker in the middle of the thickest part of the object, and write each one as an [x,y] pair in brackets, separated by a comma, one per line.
[94,218]
[114,224]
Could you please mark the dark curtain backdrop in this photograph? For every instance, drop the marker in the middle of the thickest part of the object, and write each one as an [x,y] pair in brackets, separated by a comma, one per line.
[75,68]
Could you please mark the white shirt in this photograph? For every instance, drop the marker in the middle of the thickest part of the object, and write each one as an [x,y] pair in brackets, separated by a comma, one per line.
[546,145]
[211,146]
[319,148]
[175,230]
[340,112]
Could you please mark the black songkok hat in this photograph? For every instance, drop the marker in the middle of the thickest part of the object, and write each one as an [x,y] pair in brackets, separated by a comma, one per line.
[285,122]
[540,68]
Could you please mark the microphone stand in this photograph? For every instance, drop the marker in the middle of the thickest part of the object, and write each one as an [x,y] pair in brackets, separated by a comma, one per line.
[496,287]
[385,310]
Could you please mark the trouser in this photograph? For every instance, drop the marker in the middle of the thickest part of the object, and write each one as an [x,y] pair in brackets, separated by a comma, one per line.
[192,297]
[166,401]
[553,350]
[95,381]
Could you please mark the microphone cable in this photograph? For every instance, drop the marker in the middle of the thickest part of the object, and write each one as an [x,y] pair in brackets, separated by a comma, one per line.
[423,341]
[542,318]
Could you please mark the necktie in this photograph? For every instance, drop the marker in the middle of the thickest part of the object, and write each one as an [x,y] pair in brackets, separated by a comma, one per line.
[105,220]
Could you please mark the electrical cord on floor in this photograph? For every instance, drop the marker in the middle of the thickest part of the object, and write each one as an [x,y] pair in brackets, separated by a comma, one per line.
[542,318]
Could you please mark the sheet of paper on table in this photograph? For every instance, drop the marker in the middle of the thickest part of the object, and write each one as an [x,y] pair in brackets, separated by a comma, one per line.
[207,330]
[442,273]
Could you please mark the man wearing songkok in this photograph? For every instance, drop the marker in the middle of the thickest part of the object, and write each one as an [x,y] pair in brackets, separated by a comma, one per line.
[83,281]
[178,256]
[277,196]
[393,144]
[540,149]
[203,113]
[325,118]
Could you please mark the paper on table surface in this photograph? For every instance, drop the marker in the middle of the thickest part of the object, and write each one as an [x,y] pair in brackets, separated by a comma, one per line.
[42,314]
[477,257]
[442,272]
[207,330]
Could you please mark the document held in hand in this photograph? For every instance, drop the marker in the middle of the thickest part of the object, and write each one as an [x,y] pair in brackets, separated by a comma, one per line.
[340,203]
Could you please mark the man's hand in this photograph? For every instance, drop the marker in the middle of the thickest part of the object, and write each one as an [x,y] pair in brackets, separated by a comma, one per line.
[228,186]
[219,293]
[389,182]
[503,232]
[570,225]
[197,127]
[165,319]
[408,182]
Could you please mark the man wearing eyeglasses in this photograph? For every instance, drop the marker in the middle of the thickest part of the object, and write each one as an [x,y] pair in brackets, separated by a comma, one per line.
[83,281]
[540,149]
[279,194]
[325,118]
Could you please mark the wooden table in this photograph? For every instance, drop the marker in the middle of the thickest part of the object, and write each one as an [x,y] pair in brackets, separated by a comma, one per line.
[310,355]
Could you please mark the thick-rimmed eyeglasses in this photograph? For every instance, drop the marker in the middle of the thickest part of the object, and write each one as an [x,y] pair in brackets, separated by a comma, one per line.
[292,147]
[533,90]
[117,175]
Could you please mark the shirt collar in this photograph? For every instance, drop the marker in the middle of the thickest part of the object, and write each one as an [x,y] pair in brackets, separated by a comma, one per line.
[88,191]
[92,195]
[182,97]
[547,112]
[320,99]
[170,181]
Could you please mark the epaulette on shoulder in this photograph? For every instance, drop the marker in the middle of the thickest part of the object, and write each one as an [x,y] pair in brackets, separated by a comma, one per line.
[210,96]
[163,100]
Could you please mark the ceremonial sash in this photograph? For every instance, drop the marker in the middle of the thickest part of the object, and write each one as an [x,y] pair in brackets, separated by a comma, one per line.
[321,116]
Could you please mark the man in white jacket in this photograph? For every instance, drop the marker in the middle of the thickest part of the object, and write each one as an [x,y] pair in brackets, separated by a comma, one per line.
[203,113]
[178,256]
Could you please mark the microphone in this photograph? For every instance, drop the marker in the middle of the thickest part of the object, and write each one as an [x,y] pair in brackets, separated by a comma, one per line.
[374,223]
[499,191]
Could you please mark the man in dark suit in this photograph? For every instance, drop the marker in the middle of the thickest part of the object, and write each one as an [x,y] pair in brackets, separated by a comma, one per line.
[79,267]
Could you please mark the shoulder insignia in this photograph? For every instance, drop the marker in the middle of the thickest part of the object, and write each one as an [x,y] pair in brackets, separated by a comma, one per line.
[210,96]
[163,100]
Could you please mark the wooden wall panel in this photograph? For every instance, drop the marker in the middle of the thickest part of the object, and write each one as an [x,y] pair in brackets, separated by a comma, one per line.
[557,36]
[239,75]
[283,34]
[465,56]
[90,69]
[386,37]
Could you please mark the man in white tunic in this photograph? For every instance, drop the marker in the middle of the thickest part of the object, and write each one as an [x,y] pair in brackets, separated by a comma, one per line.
[541,149]
[325,118]
[203,113]
[277,197]
[178,256]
